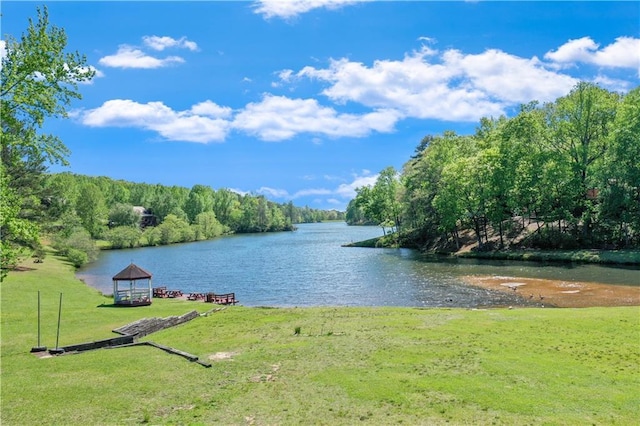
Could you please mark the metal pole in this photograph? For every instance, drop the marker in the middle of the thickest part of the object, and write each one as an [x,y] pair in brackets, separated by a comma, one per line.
[39,348]
[57,350]
[38,318]
[59,315]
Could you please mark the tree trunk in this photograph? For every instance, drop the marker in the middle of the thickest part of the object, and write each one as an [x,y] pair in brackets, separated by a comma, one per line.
[476,224]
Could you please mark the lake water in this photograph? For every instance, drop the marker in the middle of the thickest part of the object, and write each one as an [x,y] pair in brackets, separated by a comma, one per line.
[309,267]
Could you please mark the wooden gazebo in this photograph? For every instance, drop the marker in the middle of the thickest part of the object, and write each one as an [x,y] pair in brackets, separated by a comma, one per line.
[132,287]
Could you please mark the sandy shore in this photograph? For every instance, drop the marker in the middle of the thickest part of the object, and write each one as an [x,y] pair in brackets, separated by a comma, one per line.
[564,294]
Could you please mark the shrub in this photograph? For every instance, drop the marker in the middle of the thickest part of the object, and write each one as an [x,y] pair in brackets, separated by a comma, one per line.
[77,257]
[123,237]
[79,241]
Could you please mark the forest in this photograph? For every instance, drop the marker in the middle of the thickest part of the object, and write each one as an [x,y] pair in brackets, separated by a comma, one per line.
[112,210]
[559,175]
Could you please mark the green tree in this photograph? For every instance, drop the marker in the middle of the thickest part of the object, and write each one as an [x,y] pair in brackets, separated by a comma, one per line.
[386,204]
[426,205]
[38,79]
[123,236]
[91,209]
[200,200]
[620,176]
[19,236]
[579,125]
[208,225]
[174,230]
[123,215]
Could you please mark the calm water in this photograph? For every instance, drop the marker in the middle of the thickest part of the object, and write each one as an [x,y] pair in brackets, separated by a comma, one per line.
[309,267]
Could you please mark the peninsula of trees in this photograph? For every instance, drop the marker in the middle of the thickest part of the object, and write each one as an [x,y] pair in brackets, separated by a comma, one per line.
[565,174]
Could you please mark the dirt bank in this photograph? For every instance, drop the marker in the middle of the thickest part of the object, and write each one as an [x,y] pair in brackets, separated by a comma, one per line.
[564,294]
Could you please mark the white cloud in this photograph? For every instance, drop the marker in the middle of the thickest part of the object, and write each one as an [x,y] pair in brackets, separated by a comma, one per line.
[507,78]
[239,191]
[275,193]
[624,52]
[312,191]
[164,42]
[449,86]
[336,196]
[155,116]
[348,190]
[580,50]
[612,84]
[211,109]
[424,84]
[277,118]
[132,57]
[291,8]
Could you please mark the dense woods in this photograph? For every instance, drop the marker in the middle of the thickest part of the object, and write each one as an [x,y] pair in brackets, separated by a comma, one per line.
[564,174]
[103,206]
[75,210]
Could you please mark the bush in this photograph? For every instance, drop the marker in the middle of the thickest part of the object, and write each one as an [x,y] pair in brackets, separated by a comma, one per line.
[77,257]
[78,241]
[549,239]
[123,237]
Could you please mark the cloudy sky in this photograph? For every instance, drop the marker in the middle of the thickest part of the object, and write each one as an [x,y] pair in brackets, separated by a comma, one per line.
[307,100]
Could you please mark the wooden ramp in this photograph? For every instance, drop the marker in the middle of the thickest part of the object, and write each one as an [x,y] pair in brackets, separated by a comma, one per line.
[133,331]
[146,326]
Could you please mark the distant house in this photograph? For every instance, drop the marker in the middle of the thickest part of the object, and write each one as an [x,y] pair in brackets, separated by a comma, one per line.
[146,217]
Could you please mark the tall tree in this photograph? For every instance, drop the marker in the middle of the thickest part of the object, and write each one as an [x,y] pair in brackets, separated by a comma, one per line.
[91,209]
[200,200]
[620,176]
[38,79]
[578,128]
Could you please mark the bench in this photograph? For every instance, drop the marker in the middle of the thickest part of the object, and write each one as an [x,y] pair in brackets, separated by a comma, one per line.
[222,299]
[159,292]
[196,296]
[174,293]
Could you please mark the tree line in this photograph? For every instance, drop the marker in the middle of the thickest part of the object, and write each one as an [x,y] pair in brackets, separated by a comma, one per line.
[563,174]
[39,79]
[111,209]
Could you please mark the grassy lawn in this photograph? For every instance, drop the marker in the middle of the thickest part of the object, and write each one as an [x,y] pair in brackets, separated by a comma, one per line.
[345,366]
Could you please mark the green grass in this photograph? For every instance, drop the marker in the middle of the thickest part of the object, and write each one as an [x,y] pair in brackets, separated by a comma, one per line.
[344,366]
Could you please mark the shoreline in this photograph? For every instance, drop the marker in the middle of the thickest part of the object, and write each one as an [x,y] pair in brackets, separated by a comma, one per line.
[561,293]
[630,257]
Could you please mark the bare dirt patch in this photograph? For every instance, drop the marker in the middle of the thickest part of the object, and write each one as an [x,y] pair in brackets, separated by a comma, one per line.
[222,356]
[563,294]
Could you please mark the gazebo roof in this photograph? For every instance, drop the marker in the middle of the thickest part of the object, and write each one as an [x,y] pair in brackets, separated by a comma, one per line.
[131,272]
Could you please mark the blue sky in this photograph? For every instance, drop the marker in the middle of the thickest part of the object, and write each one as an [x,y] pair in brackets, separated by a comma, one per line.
[307,100]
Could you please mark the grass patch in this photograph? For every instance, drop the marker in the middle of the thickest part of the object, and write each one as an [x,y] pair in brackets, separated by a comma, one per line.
[343,366]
